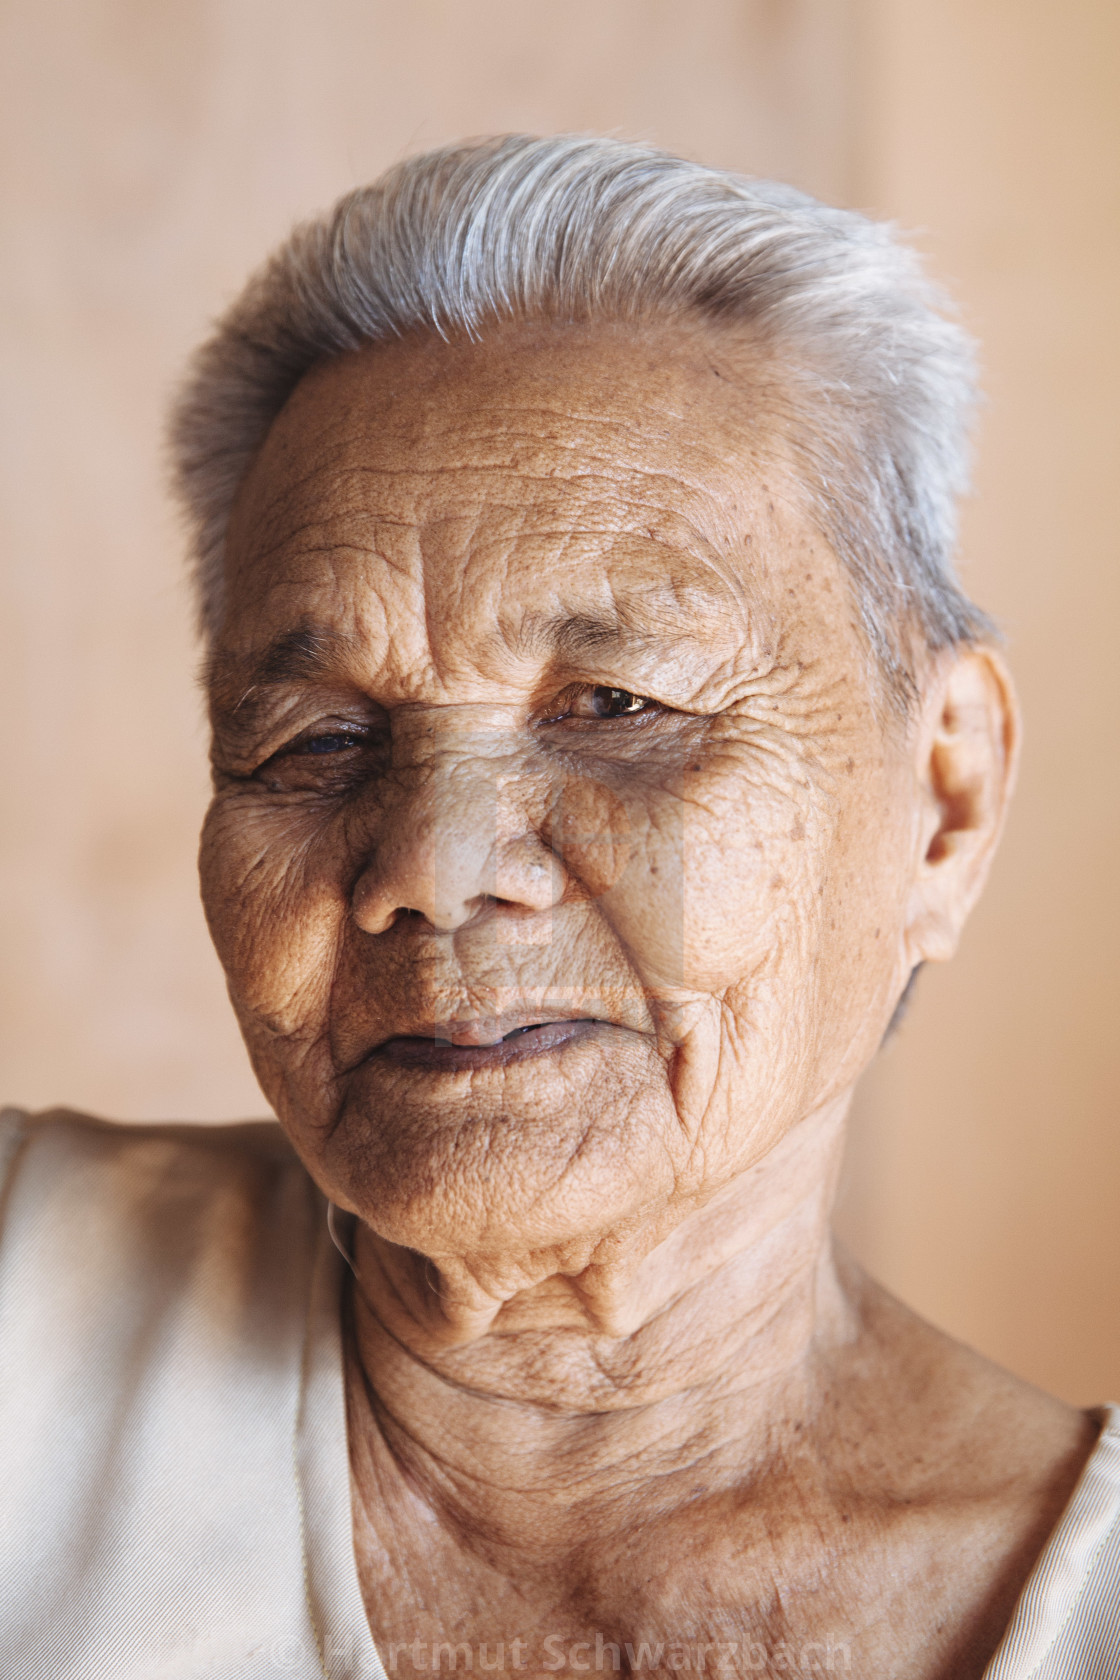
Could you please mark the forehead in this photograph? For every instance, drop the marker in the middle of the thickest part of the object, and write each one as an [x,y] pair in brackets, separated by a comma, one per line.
[467,495]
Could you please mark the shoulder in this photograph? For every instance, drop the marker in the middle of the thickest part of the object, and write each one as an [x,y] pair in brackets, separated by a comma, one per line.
[108,1221]
[65,1132]
[1067,1622]
[51,1156]
[156,1295]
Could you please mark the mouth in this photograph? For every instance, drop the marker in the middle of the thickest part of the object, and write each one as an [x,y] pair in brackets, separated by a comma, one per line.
[462,1049]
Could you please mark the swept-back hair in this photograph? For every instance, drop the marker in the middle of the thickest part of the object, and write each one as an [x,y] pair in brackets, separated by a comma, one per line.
[876,377]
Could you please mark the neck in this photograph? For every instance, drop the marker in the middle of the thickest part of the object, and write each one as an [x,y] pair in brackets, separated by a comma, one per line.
[717,1335]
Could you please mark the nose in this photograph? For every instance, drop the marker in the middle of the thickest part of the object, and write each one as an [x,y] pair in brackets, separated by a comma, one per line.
[454,835]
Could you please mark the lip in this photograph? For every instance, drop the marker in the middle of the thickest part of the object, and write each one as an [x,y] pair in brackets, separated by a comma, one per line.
[436,1054]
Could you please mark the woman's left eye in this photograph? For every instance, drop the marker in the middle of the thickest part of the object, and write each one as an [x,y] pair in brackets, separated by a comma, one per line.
[604,702]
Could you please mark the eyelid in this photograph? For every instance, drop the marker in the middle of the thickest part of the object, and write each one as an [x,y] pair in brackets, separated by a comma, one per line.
[316,732]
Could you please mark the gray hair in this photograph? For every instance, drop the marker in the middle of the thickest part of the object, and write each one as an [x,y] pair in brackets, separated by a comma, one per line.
[877,378]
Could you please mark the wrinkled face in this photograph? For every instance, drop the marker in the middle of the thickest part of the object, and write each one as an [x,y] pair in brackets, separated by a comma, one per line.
[559,852]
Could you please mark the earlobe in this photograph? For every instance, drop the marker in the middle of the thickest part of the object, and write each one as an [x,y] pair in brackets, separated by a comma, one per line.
[966,755]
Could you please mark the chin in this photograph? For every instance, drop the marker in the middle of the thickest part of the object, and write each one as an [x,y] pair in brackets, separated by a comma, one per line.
[554,1148]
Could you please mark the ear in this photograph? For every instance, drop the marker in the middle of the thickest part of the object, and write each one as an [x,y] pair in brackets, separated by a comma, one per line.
[967,748]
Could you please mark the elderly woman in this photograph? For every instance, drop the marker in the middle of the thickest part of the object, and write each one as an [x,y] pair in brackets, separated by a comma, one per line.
[601,743]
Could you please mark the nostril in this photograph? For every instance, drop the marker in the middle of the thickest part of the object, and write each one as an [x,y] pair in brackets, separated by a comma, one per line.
[395,918]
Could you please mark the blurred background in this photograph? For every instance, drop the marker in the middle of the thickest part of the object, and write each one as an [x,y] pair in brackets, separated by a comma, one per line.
[153,150]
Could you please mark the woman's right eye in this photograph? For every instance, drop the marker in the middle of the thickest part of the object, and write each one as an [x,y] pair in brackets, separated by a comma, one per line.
[332,741]
[320,760]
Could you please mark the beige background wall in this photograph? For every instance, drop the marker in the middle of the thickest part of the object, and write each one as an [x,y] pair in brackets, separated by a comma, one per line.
[153,149]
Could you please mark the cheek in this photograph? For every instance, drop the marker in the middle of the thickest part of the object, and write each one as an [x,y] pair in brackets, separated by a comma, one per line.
[276,911]
[754,860]
[594,835]
[864,913]
[720,880]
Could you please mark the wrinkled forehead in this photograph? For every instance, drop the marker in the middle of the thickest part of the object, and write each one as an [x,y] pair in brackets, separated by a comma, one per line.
[613,482]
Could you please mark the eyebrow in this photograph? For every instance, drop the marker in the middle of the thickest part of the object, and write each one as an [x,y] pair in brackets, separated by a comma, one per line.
[240,684]
[575,634]
[301,655]
[631,623]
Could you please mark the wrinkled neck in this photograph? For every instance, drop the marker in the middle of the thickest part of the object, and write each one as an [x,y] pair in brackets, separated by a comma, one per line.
[708,1337]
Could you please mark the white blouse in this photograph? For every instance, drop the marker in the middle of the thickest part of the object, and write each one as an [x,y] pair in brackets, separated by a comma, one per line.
[174,1484]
